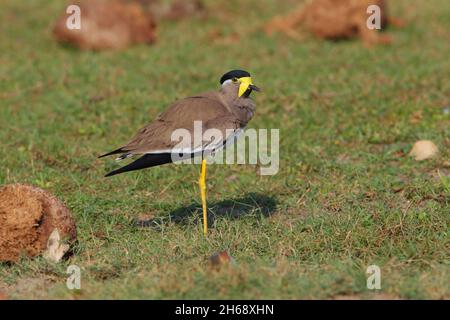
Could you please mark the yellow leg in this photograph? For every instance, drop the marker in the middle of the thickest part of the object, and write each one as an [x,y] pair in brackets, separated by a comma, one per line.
[202,184]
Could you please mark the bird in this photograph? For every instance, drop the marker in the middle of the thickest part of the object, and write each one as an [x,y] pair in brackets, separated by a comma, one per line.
[227,111]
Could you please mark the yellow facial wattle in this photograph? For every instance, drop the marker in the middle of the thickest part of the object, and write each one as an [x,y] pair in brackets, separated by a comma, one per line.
[245,82]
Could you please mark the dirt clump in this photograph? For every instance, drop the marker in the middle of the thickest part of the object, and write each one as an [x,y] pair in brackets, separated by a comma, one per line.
[333,20]
[107,24]
[28,216]
[220,259]
[423,150]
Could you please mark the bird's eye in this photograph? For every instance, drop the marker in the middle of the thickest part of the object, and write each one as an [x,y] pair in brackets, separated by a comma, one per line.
[234,79]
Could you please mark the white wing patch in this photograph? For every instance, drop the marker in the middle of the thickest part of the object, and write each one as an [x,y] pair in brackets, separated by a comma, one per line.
[209,147]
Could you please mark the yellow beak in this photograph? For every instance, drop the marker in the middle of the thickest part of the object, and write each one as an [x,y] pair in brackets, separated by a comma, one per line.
[245,84]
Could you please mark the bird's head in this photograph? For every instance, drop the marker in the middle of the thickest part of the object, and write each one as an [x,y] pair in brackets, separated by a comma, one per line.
[240,80]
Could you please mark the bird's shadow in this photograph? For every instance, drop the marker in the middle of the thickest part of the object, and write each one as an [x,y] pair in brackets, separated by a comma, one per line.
[250,204]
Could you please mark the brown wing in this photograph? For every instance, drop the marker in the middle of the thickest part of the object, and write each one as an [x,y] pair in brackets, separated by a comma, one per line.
[226,125]
[157,135]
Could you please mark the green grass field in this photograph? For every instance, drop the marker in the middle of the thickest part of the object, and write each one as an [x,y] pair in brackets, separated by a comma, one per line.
[346,196]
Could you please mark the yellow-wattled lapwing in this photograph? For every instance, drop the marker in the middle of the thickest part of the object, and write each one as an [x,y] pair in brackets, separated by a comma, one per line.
[226,111]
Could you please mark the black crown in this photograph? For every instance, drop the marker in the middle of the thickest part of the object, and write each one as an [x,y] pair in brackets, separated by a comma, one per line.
[234,74]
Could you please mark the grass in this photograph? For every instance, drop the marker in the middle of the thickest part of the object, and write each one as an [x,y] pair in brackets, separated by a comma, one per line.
[346,196]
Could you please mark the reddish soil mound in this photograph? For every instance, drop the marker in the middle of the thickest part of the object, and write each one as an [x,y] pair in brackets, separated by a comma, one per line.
[28,215]
[332,19]
[108,24]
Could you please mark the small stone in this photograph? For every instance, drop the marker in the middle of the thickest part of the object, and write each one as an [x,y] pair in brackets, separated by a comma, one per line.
[423,149]
[221,258]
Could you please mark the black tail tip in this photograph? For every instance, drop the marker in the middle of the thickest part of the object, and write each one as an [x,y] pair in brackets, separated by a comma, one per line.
[111,153]
[112,173]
